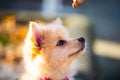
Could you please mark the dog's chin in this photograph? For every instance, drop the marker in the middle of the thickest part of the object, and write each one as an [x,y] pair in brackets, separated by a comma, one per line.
[76,53]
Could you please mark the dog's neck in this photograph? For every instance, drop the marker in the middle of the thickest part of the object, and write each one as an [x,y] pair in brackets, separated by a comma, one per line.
[50,74]
[66,78]
[58,73]
[33,71]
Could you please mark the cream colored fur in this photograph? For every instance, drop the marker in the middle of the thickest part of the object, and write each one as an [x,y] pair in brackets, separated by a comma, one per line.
[49,60]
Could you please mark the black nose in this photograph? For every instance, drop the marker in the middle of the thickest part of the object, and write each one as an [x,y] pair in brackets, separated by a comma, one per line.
[81,39]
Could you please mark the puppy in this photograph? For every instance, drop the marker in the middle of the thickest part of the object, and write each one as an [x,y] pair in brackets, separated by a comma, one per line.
[49,53]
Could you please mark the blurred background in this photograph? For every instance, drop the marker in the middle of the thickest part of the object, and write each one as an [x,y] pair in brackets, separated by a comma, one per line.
[96,20]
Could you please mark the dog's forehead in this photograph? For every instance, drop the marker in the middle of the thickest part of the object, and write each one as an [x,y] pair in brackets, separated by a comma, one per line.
[56,29]
[54,26]
[53,32]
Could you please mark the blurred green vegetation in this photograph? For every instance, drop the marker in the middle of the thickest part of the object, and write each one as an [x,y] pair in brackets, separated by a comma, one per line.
[4,39]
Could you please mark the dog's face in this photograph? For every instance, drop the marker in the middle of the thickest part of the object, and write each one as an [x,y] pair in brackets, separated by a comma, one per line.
[52,43]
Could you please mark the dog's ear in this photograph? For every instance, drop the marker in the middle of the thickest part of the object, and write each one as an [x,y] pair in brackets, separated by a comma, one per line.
[58,21]
[37,33]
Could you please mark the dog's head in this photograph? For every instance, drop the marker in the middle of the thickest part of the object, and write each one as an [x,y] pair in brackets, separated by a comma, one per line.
[51,44]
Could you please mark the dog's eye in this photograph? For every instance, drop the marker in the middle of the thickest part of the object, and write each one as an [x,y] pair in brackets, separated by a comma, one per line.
[61,43]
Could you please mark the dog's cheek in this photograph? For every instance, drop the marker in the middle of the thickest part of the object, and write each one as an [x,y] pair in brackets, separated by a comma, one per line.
[57,56]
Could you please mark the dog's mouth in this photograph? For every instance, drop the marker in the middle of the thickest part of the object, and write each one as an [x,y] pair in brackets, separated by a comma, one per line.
[77,52]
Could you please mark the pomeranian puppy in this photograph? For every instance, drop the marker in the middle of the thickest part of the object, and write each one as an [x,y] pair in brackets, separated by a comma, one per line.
[49,53]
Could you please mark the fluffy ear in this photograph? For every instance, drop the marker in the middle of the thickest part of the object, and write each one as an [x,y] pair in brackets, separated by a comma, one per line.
[37,33]
[58,21]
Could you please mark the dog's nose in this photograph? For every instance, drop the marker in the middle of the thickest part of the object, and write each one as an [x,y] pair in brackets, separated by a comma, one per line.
[81,39]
